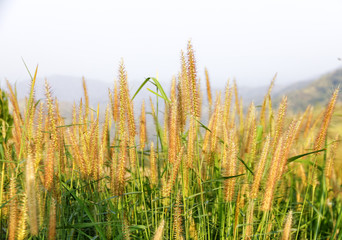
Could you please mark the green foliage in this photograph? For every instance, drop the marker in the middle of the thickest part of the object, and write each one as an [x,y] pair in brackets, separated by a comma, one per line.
[6,119]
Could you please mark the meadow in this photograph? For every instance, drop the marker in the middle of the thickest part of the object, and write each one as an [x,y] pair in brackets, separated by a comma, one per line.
[260,173]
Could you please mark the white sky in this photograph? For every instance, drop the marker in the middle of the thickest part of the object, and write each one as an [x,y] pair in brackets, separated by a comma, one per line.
[249,40]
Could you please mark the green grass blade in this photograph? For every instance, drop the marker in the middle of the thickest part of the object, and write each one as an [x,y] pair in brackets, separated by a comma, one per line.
[243,162]
[155,93]
[27,68]
[291,159]
[223,178]
[203,126]
[84,207]
[155,82]
[141,86]
[160,88]
[339,218]
[85,225]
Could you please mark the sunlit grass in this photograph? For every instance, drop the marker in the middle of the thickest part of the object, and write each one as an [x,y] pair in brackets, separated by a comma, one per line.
[256,174]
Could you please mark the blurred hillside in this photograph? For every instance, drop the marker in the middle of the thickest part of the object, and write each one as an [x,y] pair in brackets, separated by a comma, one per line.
[68,90]
[316,93]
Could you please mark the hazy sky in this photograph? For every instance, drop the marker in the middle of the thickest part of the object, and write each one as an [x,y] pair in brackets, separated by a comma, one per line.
[249,40]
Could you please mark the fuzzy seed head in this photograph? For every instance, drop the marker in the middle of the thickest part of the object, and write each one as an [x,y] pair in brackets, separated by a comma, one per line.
[31,194]
[143,135]
[287,227]
[319,142]
[260,169]
[160,231]
[13,210]
[177,218]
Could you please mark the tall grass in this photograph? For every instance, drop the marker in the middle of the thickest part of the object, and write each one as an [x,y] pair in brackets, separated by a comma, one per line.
[259,174]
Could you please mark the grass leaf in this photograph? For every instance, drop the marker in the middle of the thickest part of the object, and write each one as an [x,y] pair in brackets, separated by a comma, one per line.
[84,207]
[291,159]
[156,83]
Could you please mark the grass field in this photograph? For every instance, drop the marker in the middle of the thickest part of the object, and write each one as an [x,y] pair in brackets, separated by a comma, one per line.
[256,174]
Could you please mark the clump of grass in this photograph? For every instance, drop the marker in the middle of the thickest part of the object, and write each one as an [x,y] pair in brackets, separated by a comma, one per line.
[244,175]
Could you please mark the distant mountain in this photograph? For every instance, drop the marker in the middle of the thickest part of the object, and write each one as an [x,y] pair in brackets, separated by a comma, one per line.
[316,92]
[249,94]
[68,89]
[257,94]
